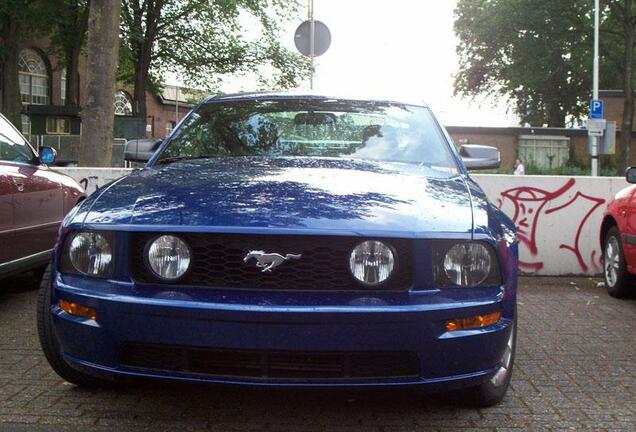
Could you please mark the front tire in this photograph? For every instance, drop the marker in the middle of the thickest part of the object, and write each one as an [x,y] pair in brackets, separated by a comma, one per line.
[492,392]
[50,344]
[617,279]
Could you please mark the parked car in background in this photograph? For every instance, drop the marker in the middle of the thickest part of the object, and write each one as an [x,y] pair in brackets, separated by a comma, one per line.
[618,240]
[290,240]
[33,202]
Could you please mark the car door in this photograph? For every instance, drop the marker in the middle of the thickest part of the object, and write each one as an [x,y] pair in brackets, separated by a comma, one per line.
[7,192]
[38,204]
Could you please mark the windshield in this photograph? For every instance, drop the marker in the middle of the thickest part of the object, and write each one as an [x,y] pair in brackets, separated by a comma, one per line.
[13,147]
[377,131]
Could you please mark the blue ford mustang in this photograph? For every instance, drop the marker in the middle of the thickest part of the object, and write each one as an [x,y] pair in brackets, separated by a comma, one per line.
[290,240]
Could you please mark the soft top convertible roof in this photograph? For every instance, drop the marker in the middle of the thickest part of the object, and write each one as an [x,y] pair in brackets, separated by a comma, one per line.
[301,95]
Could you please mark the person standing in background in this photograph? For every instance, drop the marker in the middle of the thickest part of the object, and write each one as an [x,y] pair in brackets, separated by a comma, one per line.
[519,169]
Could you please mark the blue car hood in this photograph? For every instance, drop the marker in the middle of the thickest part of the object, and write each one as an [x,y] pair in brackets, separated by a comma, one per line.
[294,193]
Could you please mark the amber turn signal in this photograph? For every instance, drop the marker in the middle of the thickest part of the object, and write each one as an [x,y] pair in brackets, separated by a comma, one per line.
[78,310]
[473,322]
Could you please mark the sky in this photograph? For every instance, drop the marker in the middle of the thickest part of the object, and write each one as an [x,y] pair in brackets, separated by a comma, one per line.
[399,48]
[403,49]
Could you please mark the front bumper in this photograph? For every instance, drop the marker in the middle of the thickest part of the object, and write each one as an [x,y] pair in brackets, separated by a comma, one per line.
[274,322]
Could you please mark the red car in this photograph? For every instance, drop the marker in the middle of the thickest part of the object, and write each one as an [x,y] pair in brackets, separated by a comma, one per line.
[618,240]
[33,202]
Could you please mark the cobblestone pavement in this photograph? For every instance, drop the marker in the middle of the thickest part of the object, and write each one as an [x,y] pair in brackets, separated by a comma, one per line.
[575,369]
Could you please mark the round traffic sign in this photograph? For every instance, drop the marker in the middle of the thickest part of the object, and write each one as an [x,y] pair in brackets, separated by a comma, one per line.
[322,38]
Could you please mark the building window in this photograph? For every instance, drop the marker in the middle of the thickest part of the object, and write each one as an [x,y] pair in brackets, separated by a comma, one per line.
[34,78]
[26,126]
[63,87]
[123,105]
[169,126]
[58,126]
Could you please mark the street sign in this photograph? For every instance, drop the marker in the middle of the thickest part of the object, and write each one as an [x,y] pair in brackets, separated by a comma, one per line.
[322,38]
[596,127]
[608,144]
[597,109]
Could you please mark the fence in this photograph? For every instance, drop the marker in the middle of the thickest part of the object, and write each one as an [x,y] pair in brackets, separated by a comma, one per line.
[67,147]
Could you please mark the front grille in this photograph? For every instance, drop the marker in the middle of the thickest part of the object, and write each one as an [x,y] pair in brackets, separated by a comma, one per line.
[264,364]
[217,262]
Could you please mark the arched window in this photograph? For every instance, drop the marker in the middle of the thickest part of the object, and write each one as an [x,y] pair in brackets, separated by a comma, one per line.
[34,78]
[63,86]
[123,105]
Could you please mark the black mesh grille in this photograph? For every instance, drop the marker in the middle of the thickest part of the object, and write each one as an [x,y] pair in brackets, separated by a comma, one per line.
[263,364]
[218,262]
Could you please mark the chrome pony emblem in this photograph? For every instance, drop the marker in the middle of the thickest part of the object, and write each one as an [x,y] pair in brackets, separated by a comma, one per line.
[269,261]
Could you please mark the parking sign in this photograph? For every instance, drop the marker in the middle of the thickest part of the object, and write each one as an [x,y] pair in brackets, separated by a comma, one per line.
[597,109]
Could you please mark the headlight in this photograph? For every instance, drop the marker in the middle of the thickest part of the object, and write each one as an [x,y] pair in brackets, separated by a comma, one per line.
[169,257]
[468,263]
[91,254]
[372,262]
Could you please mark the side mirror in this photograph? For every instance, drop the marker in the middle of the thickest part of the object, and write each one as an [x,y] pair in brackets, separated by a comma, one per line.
[630,174]
[47,155]
[141,150]
[477,157]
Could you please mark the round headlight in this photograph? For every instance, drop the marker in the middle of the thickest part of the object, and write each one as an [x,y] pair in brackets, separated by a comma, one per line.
[467,264]
[372,262]
[169,257]
[90,253]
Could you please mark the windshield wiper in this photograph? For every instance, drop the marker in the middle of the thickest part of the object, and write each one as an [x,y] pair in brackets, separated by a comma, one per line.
[180,158]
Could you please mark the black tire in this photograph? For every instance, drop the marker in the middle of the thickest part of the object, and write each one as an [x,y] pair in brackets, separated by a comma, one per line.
[617,280]
[491,392]
[50,345]
[37,275]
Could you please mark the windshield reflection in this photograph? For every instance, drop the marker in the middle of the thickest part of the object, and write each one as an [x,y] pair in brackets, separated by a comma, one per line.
[380,131]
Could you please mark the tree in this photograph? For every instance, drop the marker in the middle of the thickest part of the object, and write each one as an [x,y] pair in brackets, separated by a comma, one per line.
[536,53]
[19,21]
[69,33]
[98,113]
[620,29]
[202,39]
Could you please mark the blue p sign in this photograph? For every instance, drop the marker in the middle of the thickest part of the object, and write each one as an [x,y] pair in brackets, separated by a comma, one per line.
[597,109]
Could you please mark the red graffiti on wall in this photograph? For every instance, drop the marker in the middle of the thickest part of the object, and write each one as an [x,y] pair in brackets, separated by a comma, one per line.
[87,180]
[531,204]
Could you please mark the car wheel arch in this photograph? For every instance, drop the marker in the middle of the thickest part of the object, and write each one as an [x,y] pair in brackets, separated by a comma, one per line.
[606,225]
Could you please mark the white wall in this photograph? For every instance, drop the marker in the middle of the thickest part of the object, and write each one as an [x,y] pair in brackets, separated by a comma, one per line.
[558,218]
[93,178]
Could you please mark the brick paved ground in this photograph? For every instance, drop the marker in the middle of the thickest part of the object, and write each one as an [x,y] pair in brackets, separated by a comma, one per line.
[575,369]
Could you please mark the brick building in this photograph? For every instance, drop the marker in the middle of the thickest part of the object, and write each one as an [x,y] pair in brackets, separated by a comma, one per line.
[46,118]
[544,145]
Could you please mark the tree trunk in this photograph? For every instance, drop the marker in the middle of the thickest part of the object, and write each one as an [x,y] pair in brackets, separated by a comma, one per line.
[73,51]
[72,75]
[11,101]
[628,104]
[555,117]
[98,113]
[142,52]
[139,94]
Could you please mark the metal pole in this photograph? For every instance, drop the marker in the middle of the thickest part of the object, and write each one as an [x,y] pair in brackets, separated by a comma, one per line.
[595,139]
[312,30]
[176,109]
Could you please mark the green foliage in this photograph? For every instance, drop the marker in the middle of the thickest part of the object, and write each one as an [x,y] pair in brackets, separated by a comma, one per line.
[536,53]
[33,17]
[203,40]
[572,168]
[606,170]
[20,21]
[69,27]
